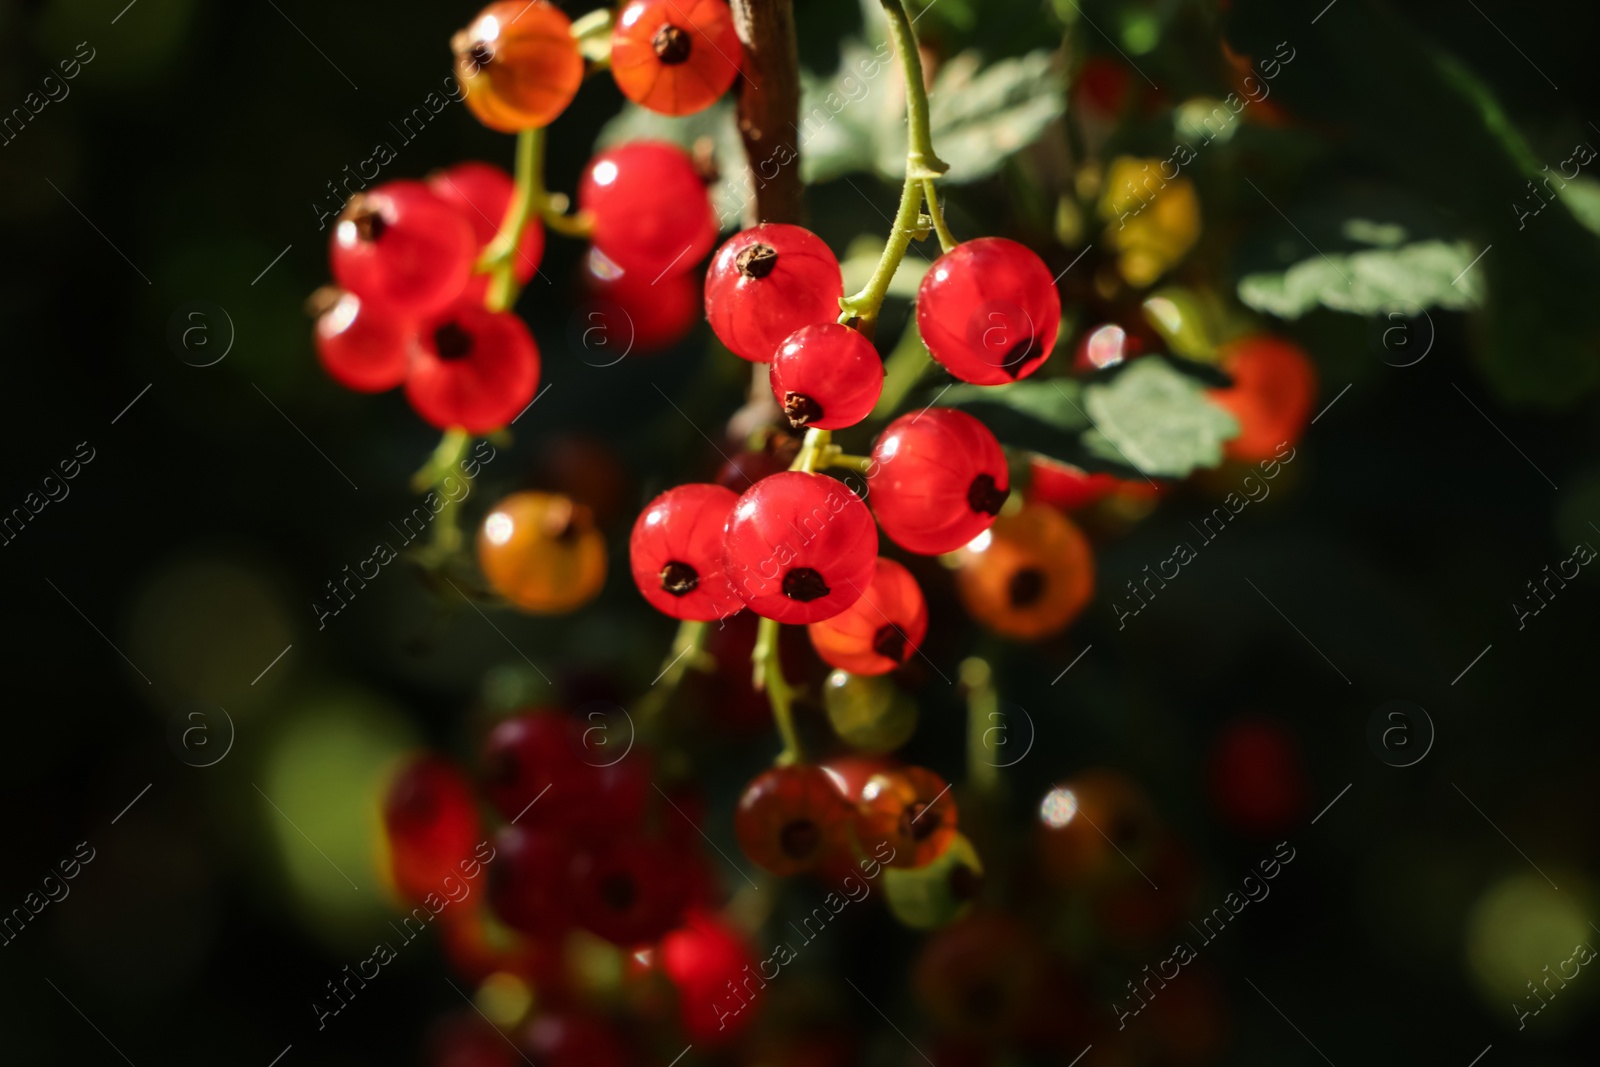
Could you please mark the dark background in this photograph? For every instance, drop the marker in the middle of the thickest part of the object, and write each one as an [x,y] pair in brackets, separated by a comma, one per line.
[195,142]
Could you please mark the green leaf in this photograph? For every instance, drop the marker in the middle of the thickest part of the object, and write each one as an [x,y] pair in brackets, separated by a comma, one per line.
[1042,415]
[1423,274]
[842,115]
[1157,420]
[979,117]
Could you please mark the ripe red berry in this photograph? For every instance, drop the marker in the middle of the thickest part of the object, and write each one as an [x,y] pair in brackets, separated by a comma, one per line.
[401,246]
[675,56]
[767,282]
[791,818]
[650,208]
[989,311]
[570,1040]
[1061,485]
[630,891]
[800,547]
[1274,390]
[911,810]
[518,63]
[528,880]
[939,479]
[676,550]
[629,312]
[532,768]
[706,959]
[472,368]
[880,631]
[481,193]
[1257,776]
[827,376]
[432,826]
[362,346]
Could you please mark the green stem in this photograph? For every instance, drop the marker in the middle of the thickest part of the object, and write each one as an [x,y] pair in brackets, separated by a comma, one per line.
[527,197]
[837,457]
[687,652]
[947,240]
[866,304]
[769,676]
[983,714]
[921,161]
[446,454]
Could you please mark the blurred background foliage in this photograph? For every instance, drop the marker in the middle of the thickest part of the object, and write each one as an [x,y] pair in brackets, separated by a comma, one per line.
[197,142]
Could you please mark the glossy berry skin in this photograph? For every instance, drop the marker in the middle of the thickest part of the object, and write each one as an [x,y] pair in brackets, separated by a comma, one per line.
[632,313]
[518,63]
[362,346]
[767,282]
[1032,578]
[938,480]
[675,56]
[481,193]
[528,880]
[799,547]
[1086,819]
[432,825]
[472,368]
[1274,389]
[868,712]
[826,376]
[1061,485]
[988,311]
[533,768]
[676,553]
[650,208]
[880,631]
[790,819]
[910,810]
[701,958]
[542,553]
[631,890]
[398,245]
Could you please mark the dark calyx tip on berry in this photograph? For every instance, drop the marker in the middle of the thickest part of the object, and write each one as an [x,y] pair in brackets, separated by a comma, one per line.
[919,821]
[672,45]
[757,261]
[452,341]
[985,496]
[481,55]
[1026,587]
[801,409]
[369,221]
[679,578]
[805,585]
[890,643]
[799,839]
[1018,357]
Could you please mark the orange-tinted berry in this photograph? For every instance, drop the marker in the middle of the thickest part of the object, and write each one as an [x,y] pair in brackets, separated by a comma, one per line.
[1095,827]
[978,977]
[542,553]
[675,56]
[1032,577]
[1274,389]
[790,818]
[518,64]
[909,809]
[880,631]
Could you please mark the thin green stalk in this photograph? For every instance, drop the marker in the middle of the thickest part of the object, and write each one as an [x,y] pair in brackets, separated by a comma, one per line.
[921,161]
[983,714]
[499,257]
[769,676]
[947,240]
[866,304]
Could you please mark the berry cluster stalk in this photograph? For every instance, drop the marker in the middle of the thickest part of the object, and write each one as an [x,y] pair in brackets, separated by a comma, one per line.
[529,199]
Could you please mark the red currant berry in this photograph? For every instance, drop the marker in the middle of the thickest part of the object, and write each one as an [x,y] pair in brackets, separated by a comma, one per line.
[911,811]
[568,1040]
[1030,576]
[675,57]
[432,825]
[630,312]
[790,818]
[989,311]
[532,770]
[1061,485]
[1258,776]
[519,64]
[473,368]
[827,376]
[1274,390]
[703,958]
[767,282]
[800,547]
[676,549]
[401,246]
[528,880]
[650,208]
[633,890]
[481,193]
[939,479]
[880,631]
[1086,821]
[363,347]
